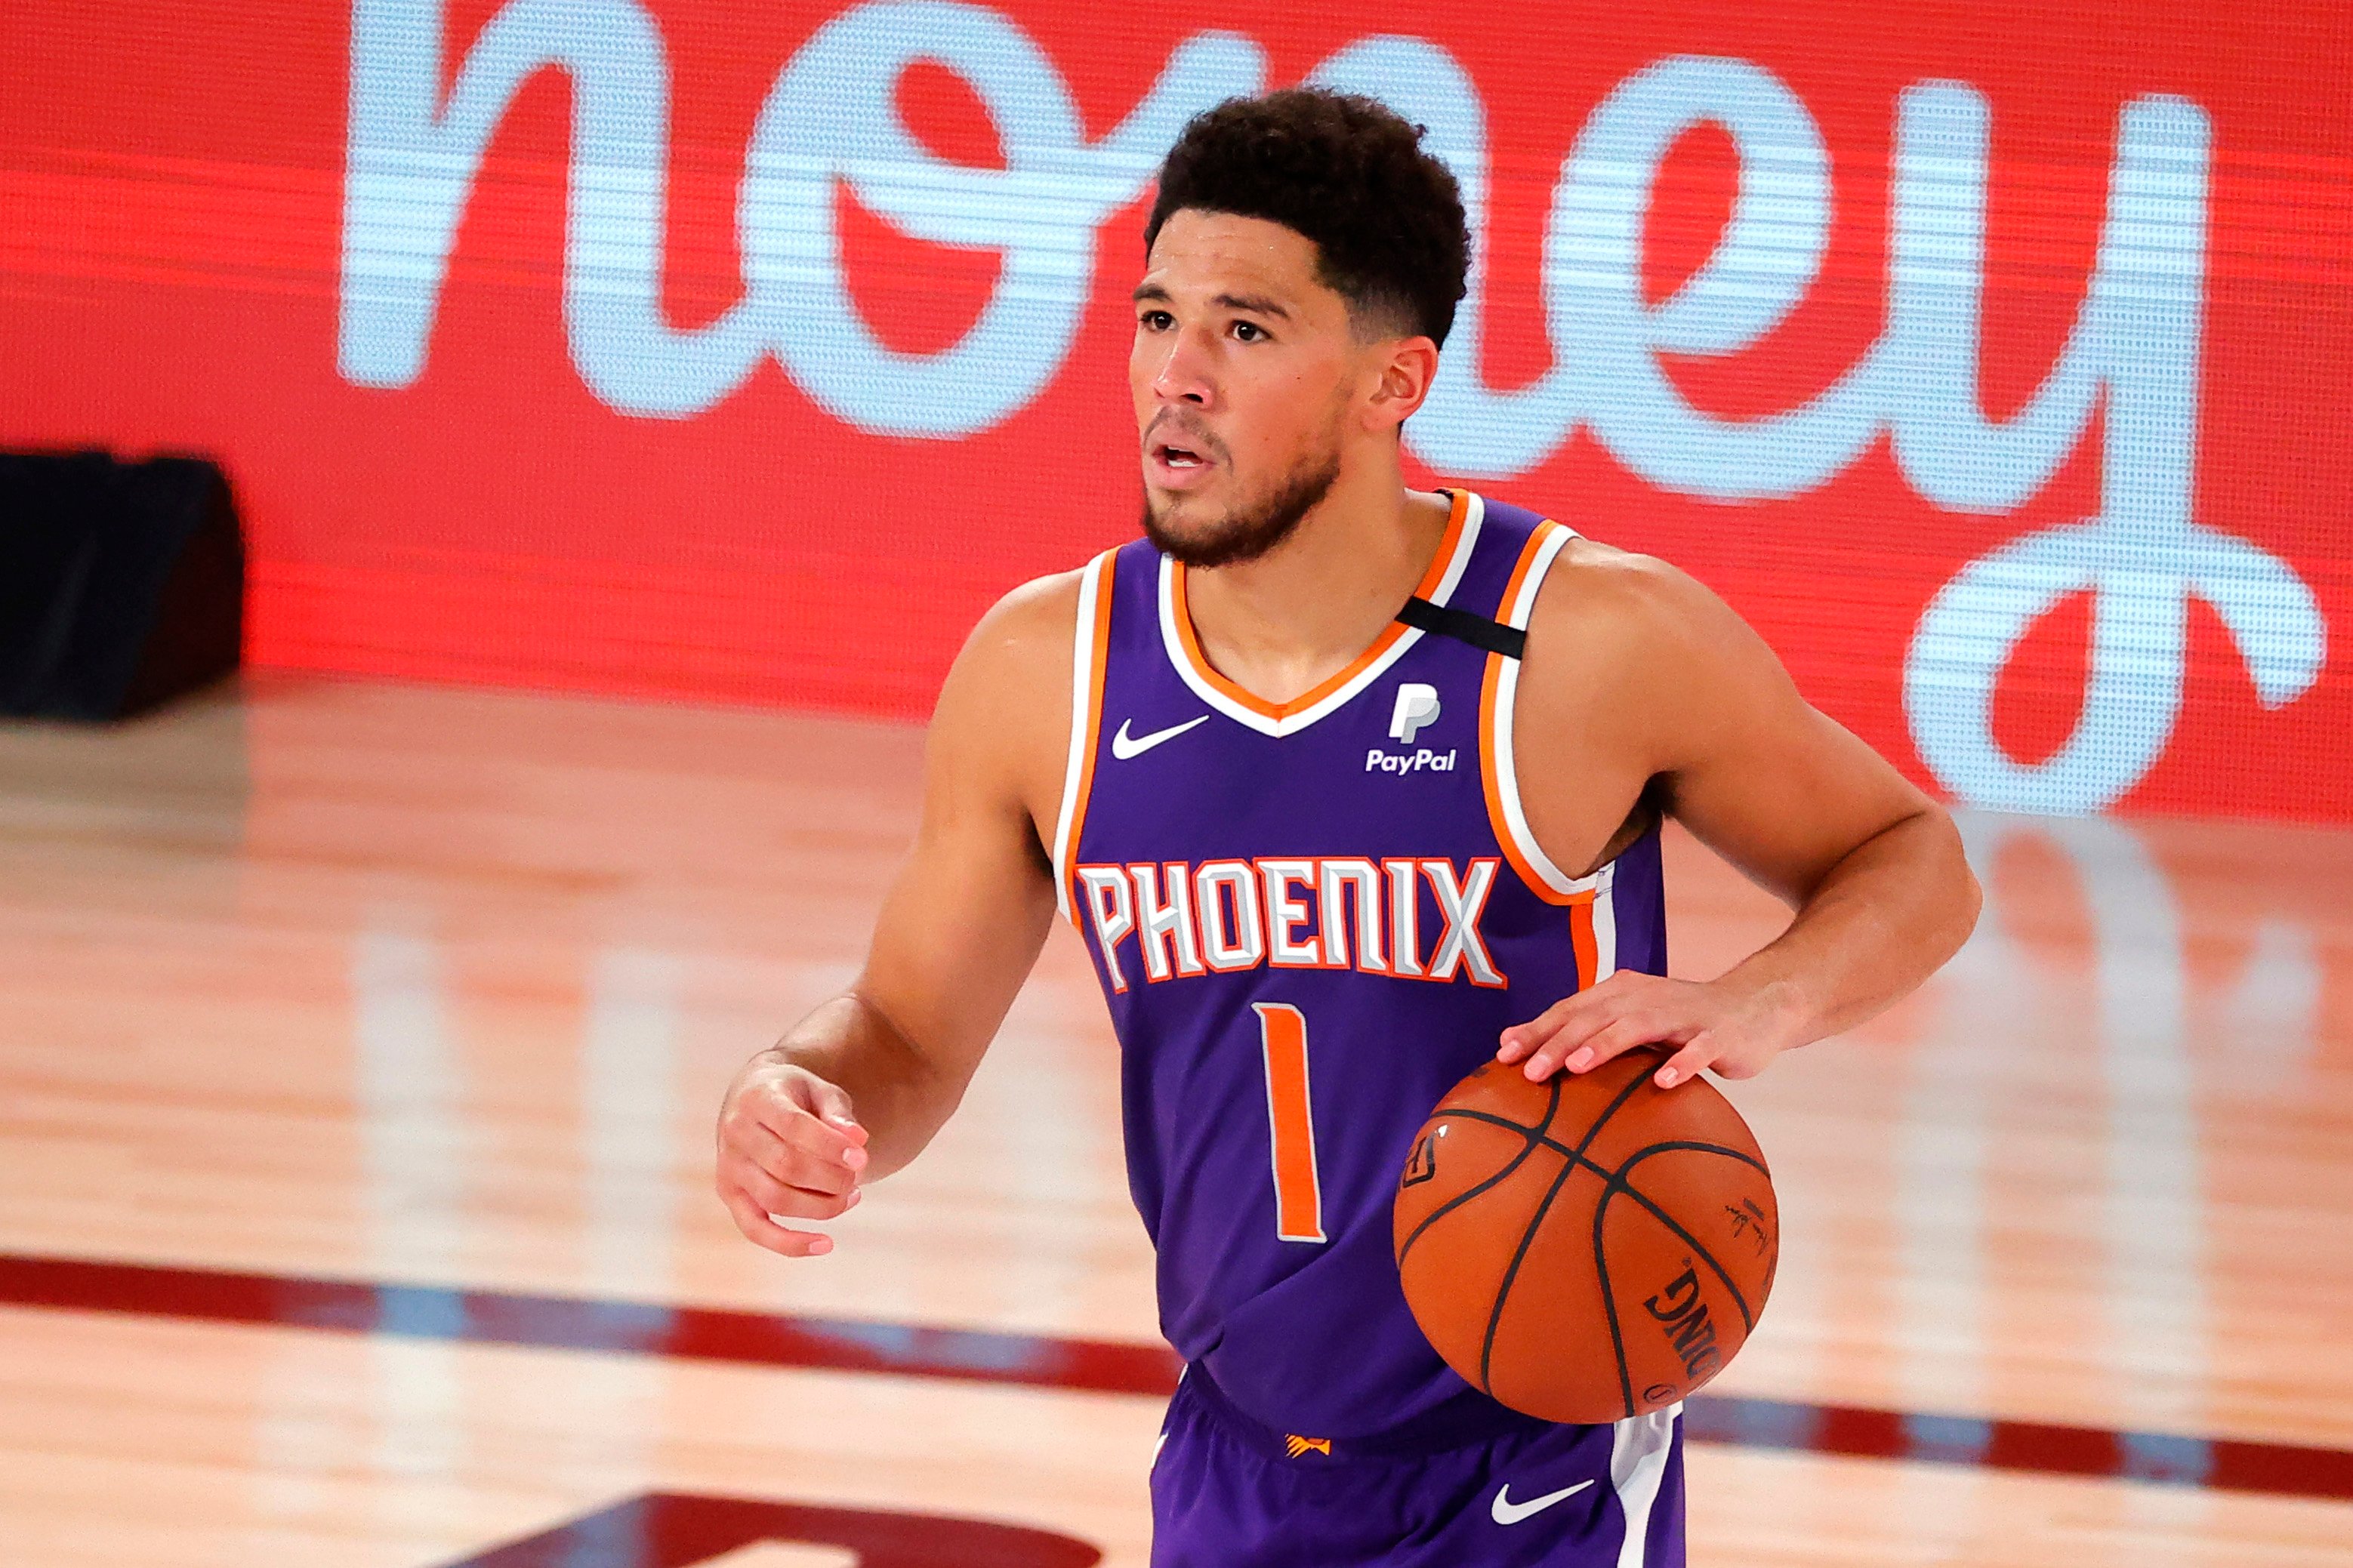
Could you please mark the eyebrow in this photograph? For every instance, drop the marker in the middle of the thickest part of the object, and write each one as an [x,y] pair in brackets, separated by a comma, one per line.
[1256,304]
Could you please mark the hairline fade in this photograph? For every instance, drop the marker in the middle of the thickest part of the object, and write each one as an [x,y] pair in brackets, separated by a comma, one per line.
[1349,175]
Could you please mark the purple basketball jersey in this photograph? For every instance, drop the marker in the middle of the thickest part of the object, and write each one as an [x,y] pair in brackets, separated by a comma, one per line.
[1312,920]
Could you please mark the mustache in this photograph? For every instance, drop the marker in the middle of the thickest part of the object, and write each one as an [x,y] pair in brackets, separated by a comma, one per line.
[1178,428]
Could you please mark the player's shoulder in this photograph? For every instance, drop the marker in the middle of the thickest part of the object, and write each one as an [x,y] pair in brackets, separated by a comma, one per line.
[1619,632]
[1018,656]
[1606,599]
[1042,610]
[1002,720]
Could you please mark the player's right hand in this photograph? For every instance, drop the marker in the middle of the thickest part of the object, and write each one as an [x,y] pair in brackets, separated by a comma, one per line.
[789,1148]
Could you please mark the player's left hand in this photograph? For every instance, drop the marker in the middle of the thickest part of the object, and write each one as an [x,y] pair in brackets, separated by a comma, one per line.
[1732,1028]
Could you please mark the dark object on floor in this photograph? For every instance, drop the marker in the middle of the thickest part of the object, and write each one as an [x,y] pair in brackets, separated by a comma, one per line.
[122,584]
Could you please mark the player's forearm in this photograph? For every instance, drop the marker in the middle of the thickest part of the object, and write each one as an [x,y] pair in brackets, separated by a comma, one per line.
[902,1096]
[1882,920]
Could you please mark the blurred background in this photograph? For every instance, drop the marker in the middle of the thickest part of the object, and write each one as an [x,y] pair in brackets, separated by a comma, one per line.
[590,427]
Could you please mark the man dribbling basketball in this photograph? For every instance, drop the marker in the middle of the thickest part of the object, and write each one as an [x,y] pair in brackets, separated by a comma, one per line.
[1347,787]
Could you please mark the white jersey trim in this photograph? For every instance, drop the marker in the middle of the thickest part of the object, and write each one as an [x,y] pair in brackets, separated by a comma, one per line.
[1605,922]
[1516,615]
[1173,644]
[1085,662]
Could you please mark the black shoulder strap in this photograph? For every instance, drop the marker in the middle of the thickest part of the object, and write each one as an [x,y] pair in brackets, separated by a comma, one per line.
[1464,626]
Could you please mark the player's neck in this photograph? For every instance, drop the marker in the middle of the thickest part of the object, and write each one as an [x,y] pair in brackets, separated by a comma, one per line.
[1283,624]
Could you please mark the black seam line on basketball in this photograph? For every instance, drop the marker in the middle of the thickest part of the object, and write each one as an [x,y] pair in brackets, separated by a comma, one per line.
[1510,1274]
[1457,1113]
[1695,1146]
[1557,1147]
[1610,1297]
[1535,1136]
[1619,1184]
[1536,1222]
[1615,1180]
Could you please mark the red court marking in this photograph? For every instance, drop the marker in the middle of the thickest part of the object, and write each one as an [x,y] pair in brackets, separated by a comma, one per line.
[668,1529]
[629,1327]
[1094,1366]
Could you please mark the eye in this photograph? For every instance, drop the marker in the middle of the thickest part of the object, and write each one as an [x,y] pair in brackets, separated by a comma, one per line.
[1250,332]
[1155,320]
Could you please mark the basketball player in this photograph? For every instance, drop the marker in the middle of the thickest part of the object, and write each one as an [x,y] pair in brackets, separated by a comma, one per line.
[1346,788]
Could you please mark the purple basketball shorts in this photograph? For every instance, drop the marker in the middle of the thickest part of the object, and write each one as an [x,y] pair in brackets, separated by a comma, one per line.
[1228,1492]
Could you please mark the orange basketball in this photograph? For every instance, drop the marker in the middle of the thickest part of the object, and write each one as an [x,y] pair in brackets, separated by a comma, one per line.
[1589,1247]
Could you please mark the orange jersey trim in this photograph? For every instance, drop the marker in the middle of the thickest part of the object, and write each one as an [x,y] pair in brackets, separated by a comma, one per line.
[1191,643]
[1581,938]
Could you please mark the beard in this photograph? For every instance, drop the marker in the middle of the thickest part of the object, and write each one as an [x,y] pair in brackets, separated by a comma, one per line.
[1249,530]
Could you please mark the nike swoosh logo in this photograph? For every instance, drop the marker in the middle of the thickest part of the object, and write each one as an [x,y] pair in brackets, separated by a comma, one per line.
[1506,1511]
[1124,746]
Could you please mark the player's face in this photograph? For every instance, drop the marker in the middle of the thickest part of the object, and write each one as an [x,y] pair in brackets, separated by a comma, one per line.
[1243,372]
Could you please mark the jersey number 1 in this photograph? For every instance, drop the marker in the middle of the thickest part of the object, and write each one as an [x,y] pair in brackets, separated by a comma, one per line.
[1298,1202]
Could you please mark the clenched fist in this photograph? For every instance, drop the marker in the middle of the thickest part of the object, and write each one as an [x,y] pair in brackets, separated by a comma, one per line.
[789,1148]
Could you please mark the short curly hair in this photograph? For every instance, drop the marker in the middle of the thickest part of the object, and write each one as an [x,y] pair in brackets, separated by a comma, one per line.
[1351,175]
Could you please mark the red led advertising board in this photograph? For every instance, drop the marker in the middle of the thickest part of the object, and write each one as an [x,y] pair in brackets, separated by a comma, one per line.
[1993,360]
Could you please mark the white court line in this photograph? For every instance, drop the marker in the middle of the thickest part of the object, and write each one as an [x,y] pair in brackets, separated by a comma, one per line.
[415,1149]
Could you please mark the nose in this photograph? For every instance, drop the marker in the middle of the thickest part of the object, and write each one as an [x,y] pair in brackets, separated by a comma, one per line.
[1183,375]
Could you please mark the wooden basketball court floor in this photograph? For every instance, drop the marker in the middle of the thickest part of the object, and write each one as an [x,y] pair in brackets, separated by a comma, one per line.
[358,1048]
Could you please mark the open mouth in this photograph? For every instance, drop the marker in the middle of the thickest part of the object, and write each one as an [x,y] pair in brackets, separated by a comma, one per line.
[1181,458]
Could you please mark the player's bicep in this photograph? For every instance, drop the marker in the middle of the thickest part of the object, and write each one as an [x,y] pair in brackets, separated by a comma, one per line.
[1755,772]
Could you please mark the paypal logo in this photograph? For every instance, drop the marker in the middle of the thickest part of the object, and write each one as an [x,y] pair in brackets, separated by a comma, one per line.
[1416,710]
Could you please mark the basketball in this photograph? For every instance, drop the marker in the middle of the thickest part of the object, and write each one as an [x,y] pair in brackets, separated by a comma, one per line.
[1588,1247]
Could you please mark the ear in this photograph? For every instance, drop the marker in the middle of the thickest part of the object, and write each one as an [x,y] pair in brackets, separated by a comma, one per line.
[1402,370]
